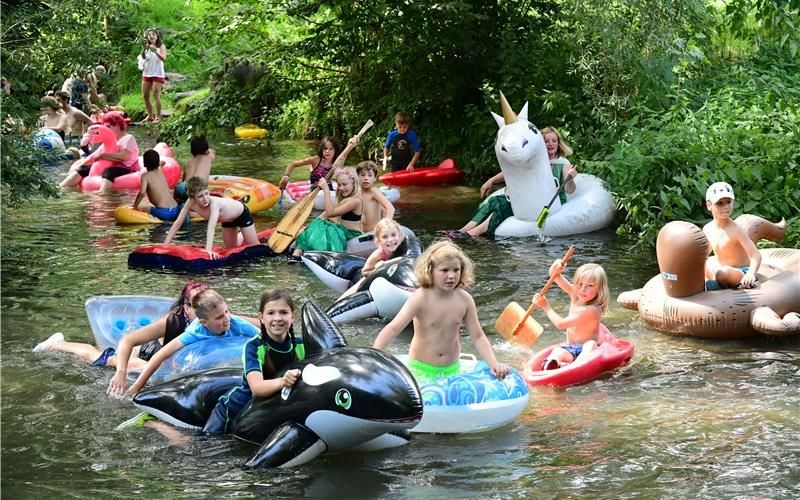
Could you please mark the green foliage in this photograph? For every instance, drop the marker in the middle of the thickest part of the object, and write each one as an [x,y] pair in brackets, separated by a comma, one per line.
[741,128]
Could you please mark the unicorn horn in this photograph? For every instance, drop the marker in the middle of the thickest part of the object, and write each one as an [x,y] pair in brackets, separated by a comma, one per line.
[508,115]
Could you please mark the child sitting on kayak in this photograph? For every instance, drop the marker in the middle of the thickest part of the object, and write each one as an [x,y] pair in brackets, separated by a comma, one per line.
[263,356]
[155,187]
[319,164]
[213,320]
[438,309]
[588,301]
[738,258]
[233,214]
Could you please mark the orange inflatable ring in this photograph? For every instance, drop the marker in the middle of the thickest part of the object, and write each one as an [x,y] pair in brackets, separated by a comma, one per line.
[676,301]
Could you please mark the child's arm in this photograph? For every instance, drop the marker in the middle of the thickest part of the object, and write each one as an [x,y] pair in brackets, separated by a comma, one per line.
[555,270]
[262,388]
[351,144]
[142,192]
[287,174]
[385,158]
[486,186]
[749,277]
[579,319]
[569,178]
[480,340]
[413,161]
[347,205]
[371,263]
[153,365]
[388,208]
[213,217]
[173,229]
[152,331]
[403,318]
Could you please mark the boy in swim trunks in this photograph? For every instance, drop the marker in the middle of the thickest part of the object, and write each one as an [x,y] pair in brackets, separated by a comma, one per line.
[213,320]
[155,187]
[438,309]
[738,258]
[233,214]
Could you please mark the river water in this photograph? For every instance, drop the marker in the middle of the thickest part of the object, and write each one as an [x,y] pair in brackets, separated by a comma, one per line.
[687,418]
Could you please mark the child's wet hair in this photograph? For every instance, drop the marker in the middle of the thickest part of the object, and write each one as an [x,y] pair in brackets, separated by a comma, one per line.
[199,145]
[151,159]
[438,252]
[186,293]
[194,185]
[563,148]
[337,148]
[204,302]
[366,166]
[402,118]
[596,272]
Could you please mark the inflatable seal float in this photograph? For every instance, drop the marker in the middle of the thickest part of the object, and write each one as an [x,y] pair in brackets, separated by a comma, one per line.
[346,398]
[522,156]
[676,301]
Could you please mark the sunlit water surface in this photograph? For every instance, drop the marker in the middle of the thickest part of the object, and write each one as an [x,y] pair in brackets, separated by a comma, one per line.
[688,418]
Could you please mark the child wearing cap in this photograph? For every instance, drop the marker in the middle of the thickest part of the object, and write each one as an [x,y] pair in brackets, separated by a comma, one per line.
[738,259]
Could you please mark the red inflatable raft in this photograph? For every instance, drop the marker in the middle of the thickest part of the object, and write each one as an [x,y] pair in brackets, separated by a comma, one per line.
[612,354]
[194,257]
[445,173]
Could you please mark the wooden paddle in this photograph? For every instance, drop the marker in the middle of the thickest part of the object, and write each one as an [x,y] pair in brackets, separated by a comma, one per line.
[516,324]
[288,228]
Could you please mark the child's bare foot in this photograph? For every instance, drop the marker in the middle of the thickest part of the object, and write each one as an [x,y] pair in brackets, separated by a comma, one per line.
[49,344]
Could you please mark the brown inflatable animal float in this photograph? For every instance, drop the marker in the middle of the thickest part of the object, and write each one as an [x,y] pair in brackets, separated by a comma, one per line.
[676,301]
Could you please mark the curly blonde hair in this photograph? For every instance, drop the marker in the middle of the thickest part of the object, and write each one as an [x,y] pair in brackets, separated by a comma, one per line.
[438,252]
[563,148]
[596,272]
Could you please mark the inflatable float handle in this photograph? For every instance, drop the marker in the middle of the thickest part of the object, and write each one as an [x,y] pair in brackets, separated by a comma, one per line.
[545,288]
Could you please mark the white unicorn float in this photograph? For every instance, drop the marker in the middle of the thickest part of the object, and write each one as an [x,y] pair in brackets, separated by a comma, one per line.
[522,155]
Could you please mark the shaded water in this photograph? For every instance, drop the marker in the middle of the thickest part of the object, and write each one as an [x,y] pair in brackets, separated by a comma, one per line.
[688,417]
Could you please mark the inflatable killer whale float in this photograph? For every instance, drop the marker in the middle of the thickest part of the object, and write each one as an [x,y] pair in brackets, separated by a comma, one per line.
[382,294]
[522,156]
[346,398]
[112,317]
[676,302]
[339,271]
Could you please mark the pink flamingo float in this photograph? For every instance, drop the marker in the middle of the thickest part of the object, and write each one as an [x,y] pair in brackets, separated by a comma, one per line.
[102,134]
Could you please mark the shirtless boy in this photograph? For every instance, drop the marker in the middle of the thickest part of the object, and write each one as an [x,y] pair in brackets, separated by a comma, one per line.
[375,205]
[738,258]
[198,166]
[233,214]
[155,187]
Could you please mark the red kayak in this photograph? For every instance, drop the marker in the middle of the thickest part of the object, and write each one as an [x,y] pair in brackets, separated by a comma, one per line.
[612,354]
[445,173]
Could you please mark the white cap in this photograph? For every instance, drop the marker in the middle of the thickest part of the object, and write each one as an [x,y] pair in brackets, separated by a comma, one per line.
[719,190]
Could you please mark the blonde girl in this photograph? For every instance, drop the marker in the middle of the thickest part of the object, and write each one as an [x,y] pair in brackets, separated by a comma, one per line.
[339,223]
[557,152]
[391,243]
[438,308]
[588,301]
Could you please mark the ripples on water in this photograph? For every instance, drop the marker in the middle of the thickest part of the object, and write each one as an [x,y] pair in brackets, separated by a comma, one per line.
[688,417]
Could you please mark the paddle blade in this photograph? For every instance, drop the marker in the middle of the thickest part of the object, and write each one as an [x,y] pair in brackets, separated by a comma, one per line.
[288,228]
[510,318]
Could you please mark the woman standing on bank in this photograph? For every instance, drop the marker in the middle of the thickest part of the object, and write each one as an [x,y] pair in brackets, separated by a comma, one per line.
[151,62]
